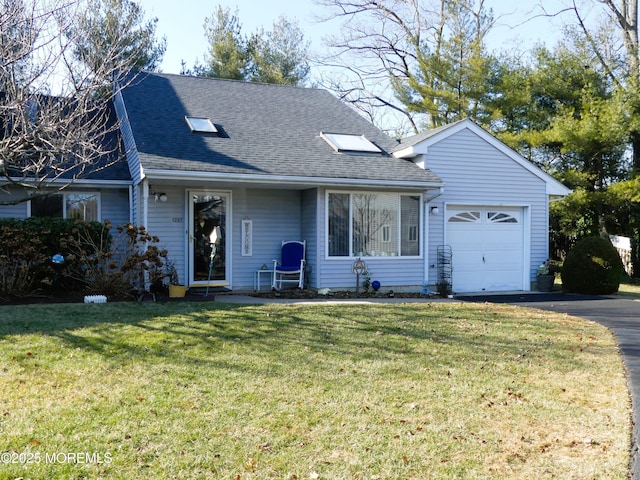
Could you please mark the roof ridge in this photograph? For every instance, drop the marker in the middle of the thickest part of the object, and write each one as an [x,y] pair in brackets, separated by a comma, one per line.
[231,80]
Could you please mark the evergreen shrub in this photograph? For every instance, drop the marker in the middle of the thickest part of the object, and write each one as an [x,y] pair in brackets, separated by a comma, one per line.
[592,267]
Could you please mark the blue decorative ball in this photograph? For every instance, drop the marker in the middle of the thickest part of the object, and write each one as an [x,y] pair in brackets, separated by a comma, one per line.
[57,259]
[375,285]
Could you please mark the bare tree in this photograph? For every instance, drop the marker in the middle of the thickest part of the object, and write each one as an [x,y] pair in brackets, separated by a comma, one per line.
[55,123]
[421,60]
[378,42]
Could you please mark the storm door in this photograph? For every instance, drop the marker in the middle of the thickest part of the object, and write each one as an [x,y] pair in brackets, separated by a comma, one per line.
[208,246]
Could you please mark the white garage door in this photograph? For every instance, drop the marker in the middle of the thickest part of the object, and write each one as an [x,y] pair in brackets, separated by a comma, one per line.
[487,244]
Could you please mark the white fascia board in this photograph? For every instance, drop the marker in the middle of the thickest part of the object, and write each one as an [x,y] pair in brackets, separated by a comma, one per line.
[84,182]
[103,183]
[283,180]
[412,151]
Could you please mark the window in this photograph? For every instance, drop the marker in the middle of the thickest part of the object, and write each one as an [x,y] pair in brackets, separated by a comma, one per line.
[349,143]
[83,206]
[338,224]
[373,225]
[201,125]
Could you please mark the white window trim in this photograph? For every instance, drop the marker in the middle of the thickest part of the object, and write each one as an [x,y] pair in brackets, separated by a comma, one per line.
[351,256]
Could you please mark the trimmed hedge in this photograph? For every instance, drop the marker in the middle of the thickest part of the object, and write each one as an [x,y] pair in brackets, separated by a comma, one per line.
[592,267]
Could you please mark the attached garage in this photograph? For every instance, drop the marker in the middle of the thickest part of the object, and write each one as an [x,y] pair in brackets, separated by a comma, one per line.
[488,247]
[493,209]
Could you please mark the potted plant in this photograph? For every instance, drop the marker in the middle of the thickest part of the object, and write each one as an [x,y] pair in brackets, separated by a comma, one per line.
[545,277]
[176,290]
[444,289]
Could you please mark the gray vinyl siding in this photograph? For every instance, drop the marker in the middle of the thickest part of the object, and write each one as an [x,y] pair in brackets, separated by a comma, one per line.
[168,222]
[115,206]
[13,211]
[476,173]
[391,272]
[275,215]
[310,206]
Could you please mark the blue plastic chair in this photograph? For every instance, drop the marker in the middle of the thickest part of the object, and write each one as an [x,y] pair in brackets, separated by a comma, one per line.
[290,268]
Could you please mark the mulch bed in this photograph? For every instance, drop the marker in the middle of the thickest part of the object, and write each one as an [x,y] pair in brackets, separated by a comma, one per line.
[198,295]
[311,294]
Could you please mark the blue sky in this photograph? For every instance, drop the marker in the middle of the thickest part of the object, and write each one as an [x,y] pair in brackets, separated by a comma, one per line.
[182,24]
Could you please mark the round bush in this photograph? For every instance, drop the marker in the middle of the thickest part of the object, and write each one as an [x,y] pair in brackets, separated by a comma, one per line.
[593,267]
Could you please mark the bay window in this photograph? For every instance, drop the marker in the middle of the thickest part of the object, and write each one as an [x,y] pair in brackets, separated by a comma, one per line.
[373,224]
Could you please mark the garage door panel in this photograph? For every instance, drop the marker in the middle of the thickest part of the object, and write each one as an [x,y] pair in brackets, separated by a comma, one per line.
[466,281]
[488,248]
[508,258]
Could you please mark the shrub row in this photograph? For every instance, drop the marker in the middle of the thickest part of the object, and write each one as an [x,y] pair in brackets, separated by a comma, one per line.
[94,257]
[26,250]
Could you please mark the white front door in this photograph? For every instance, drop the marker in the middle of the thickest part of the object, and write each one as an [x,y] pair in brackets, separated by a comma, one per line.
[209,251]
[487,245]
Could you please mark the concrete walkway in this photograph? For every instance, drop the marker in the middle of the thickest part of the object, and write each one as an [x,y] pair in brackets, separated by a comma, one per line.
[620,315]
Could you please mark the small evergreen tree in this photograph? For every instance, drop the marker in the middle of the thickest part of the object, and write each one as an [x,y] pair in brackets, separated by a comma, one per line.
[593,267]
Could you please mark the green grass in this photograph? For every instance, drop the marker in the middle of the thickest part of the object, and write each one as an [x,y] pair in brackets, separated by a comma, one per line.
[412,391]
[629,290]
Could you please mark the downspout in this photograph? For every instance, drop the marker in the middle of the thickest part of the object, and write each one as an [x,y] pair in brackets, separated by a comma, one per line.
[426,200]
[145,221]
[145,203]
[131,205]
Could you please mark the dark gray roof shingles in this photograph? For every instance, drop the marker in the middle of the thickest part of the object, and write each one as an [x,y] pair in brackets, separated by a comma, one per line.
[269,130]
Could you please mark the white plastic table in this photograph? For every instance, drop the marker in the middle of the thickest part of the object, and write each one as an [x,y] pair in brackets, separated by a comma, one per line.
[257,278]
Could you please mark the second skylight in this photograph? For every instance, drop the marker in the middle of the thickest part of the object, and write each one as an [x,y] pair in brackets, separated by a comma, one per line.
[201,125]
[349,143]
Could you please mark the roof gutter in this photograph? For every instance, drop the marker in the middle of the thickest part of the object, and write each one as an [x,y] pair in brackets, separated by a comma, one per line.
[84,182]
[283,180]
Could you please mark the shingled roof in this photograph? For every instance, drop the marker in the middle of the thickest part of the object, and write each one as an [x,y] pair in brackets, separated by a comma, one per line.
[265,130]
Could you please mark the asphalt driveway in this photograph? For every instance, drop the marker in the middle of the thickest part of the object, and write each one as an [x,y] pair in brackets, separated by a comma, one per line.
[620,315]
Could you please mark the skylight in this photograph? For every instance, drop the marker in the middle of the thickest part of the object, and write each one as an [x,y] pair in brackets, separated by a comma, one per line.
[349,143]
[201,125]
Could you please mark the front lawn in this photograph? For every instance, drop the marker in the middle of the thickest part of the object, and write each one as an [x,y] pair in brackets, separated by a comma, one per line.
[207,390]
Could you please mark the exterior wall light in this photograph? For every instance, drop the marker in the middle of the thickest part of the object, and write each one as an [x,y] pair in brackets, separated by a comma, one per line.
[159,197]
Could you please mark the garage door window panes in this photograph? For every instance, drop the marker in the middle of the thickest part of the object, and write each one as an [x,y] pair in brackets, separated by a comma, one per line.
[373,225]
[465,217]
[499,217]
